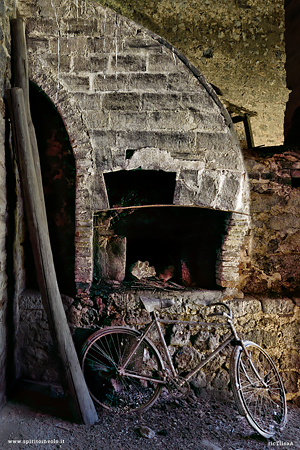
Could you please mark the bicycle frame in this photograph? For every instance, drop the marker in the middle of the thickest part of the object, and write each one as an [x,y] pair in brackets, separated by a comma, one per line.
[122,361]
[156,321]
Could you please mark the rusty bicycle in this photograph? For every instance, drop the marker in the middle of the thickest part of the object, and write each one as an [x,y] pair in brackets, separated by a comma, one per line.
[125,372]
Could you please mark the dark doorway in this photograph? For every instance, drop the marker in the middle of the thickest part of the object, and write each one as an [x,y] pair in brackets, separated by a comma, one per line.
[59,177]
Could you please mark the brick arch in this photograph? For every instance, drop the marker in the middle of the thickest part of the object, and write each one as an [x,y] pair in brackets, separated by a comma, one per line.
[82,149]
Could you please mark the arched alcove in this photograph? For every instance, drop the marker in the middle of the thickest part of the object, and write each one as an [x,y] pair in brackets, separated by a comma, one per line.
[59,179]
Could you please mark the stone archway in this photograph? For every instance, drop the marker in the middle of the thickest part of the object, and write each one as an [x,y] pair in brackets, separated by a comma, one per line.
[129,98]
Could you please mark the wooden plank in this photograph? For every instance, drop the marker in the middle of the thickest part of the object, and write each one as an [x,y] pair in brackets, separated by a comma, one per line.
[71,375]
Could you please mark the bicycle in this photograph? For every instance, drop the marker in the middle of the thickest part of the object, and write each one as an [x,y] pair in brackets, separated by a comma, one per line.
[125,372]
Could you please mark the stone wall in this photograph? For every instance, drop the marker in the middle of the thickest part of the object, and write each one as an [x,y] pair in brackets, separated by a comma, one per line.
[7,9]
[273,323]
[238,45]
[119,89]
[272,264]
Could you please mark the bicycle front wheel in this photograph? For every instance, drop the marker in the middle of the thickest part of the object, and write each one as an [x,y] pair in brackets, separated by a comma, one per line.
[116,387]
[258,389]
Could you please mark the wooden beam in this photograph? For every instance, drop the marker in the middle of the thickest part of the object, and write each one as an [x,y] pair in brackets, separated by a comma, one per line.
[71,375]
[248,131]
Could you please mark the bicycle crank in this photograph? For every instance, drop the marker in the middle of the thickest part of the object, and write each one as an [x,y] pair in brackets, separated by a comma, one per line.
[178,387]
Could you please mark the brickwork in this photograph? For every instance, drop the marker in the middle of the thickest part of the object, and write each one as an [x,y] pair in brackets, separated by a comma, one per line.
[119,87]
[238,45]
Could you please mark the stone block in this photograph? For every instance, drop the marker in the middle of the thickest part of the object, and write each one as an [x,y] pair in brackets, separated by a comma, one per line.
[109,83]
[208,189]
[199,101]
[160,101]
[200,121]
[67,45]
[127,63]
[291,336]
[177,142]
[221,380]
[63,62]
[225,157]
[212,142]
[229,192]
[116,27]
[75,82]
[189,176]
[103,140]
[183,194]
[80,26]
[145,82]
[199,380]
[30,299]
[136,139]
[242,307]
[201,341]
[41,27]
[290,360]
[290,380]
[88,101]
[96,120]
[121,101]
[118,159]
[277,305]
[265,339]
[37,44]
[100,45]
[134,43]
[163,62]
[168,120]
[90,65]
[183,82]
[120,120]
[127,302]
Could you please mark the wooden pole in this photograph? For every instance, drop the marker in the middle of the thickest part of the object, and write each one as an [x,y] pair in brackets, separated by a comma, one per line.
[21,79]
[72,377]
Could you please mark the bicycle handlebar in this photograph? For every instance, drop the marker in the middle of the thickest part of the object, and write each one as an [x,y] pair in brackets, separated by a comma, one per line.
[229,315]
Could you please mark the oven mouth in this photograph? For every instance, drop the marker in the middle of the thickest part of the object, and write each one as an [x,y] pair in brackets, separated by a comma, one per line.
[159,246]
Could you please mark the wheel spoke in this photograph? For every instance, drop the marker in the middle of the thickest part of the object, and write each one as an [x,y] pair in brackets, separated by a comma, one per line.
[102,362]
[258,389]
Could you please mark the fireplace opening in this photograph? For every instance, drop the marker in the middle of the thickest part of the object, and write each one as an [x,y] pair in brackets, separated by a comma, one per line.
[176,246]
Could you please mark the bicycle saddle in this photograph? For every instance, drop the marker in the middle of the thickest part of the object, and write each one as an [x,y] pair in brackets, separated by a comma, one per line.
[152,304]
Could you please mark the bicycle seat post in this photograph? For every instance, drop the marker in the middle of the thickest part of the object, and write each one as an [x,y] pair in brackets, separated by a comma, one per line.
[163,342]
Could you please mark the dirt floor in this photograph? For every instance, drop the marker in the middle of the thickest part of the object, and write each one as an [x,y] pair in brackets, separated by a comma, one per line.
[200,424]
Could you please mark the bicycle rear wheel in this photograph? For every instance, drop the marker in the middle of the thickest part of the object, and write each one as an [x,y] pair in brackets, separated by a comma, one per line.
[258,389]
[117,388]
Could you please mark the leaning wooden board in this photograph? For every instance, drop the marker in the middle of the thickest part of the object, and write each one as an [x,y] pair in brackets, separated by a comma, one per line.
[72,377]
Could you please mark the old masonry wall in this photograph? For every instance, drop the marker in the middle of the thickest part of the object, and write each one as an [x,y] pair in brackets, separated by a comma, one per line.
[54,37]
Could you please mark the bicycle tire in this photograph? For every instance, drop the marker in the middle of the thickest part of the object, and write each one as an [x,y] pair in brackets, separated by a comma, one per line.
[102,356]
[263,403]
